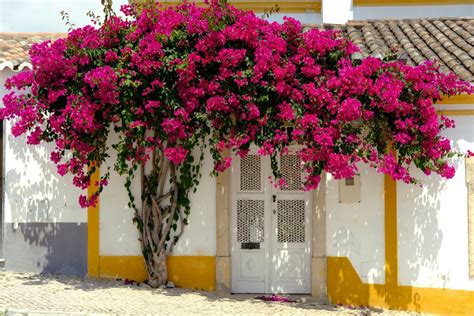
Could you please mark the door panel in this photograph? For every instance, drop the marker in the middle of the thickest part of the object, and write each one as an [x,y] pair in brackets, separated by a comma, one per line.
[291,263]
[250,229]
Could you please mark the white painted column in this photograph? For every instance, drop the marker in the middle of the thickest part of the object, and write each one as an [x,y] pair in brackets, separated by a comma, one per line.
[337,11]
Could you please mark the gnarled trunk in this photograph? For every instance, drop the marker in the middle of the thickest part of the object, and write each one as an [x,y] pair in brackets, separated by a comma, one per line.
[157,271]
[159,218]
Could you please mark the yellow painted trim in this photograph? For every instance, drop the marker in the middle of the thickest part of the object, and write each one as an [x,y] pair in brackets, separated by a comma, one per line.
[123,267]
[195,272]
[391,251]
[456,112]
[302,6]
[458,99]
[93,262]
[379,3]
[345,287]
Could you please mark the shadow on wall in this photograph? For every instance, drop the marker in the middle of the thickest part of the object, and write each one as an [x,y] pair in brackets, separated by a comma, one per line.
[421,224]
[433,221]
[419,233]
[425,257]
[46,231]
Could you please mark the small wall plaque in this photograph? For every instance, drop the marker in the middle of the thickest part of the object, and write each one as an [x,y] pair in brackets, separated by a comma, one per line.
[349,190]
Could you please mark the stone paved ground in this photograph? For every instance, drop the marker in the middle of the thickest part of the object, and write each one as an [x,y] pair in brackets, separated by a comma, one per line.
[21,292]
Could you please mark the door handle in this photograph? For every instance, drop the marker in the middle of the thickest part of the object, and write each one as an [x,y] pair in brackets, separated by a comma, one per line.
[274,198]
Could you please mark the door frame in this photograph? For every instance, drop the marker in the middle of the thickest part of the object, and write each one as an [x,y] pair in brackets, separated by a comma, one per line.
[271,244]
[223,268]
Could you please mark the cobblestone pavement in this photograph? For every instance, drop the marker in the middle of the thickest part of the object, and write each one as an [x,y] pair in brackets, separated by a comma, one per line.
[20,292]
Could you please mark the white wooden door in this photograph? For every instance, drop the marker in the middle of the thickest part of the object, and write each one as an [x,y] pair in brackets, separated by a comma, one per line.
[271,231]
[291,227]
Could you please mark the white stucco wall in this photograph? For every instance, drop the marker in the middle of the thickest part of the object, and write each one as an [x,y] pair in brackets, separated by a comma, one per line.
[338,12]
[199,238]
[34,192]
[432,223]
[119,236]
[409,11]
[356,230]
[304,18]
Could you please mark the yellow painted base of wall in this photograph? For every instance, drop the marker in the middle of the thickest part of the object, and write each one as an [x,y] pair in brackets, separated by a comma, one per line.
[194,272]
[345,287]
[123,267]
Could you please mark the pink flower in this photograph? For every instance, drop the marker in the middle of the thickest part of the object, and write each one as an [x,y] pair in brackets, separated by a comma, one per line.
[110,56]
[35,136]
[312,182]
[286,112]
[174,128]
[350,110]
[447,171]
[176,154]
[223,165]
[266,149]
[62,169]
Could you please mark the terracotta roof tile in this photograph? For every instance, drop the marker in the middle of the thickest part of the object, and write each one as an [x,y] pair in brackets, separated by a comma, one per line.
[14,47]
[449,41]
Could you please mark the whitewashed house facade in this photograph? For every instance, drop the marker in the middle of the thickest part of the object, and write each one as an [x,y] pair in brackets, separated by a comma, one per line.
[363,241]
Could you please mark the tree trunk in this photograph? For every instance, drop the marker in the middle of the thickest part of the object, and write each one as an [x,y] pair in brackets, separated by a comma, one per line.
[158,273]
[160,221]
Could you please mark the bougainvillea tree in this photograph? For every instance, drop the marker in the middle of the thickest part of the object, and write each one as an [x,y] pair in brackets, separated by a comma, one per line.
[175,81]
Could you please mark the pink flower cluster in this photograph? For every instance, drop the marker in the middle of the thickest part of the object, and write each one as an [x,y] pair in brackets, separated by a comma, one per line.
[172,78]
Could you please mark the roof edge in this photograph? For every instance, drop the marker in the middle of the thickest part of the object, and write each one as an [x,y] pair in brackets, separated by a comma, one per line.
[15,67]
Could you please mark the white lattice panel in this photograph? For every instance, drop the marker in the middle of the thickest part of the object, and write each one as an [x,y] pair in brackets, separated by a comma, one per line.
[291,221]
[250,221]
[291,171]
[251,173]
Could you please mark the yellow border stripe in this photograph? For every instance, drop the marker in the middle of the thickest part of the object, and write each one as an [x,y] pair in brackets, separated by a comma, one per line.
[123,267]
[303,6]
[345,287]
[378,3]
[458,99]
[391,245]
[194,272]
[456,112]
[93,263]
